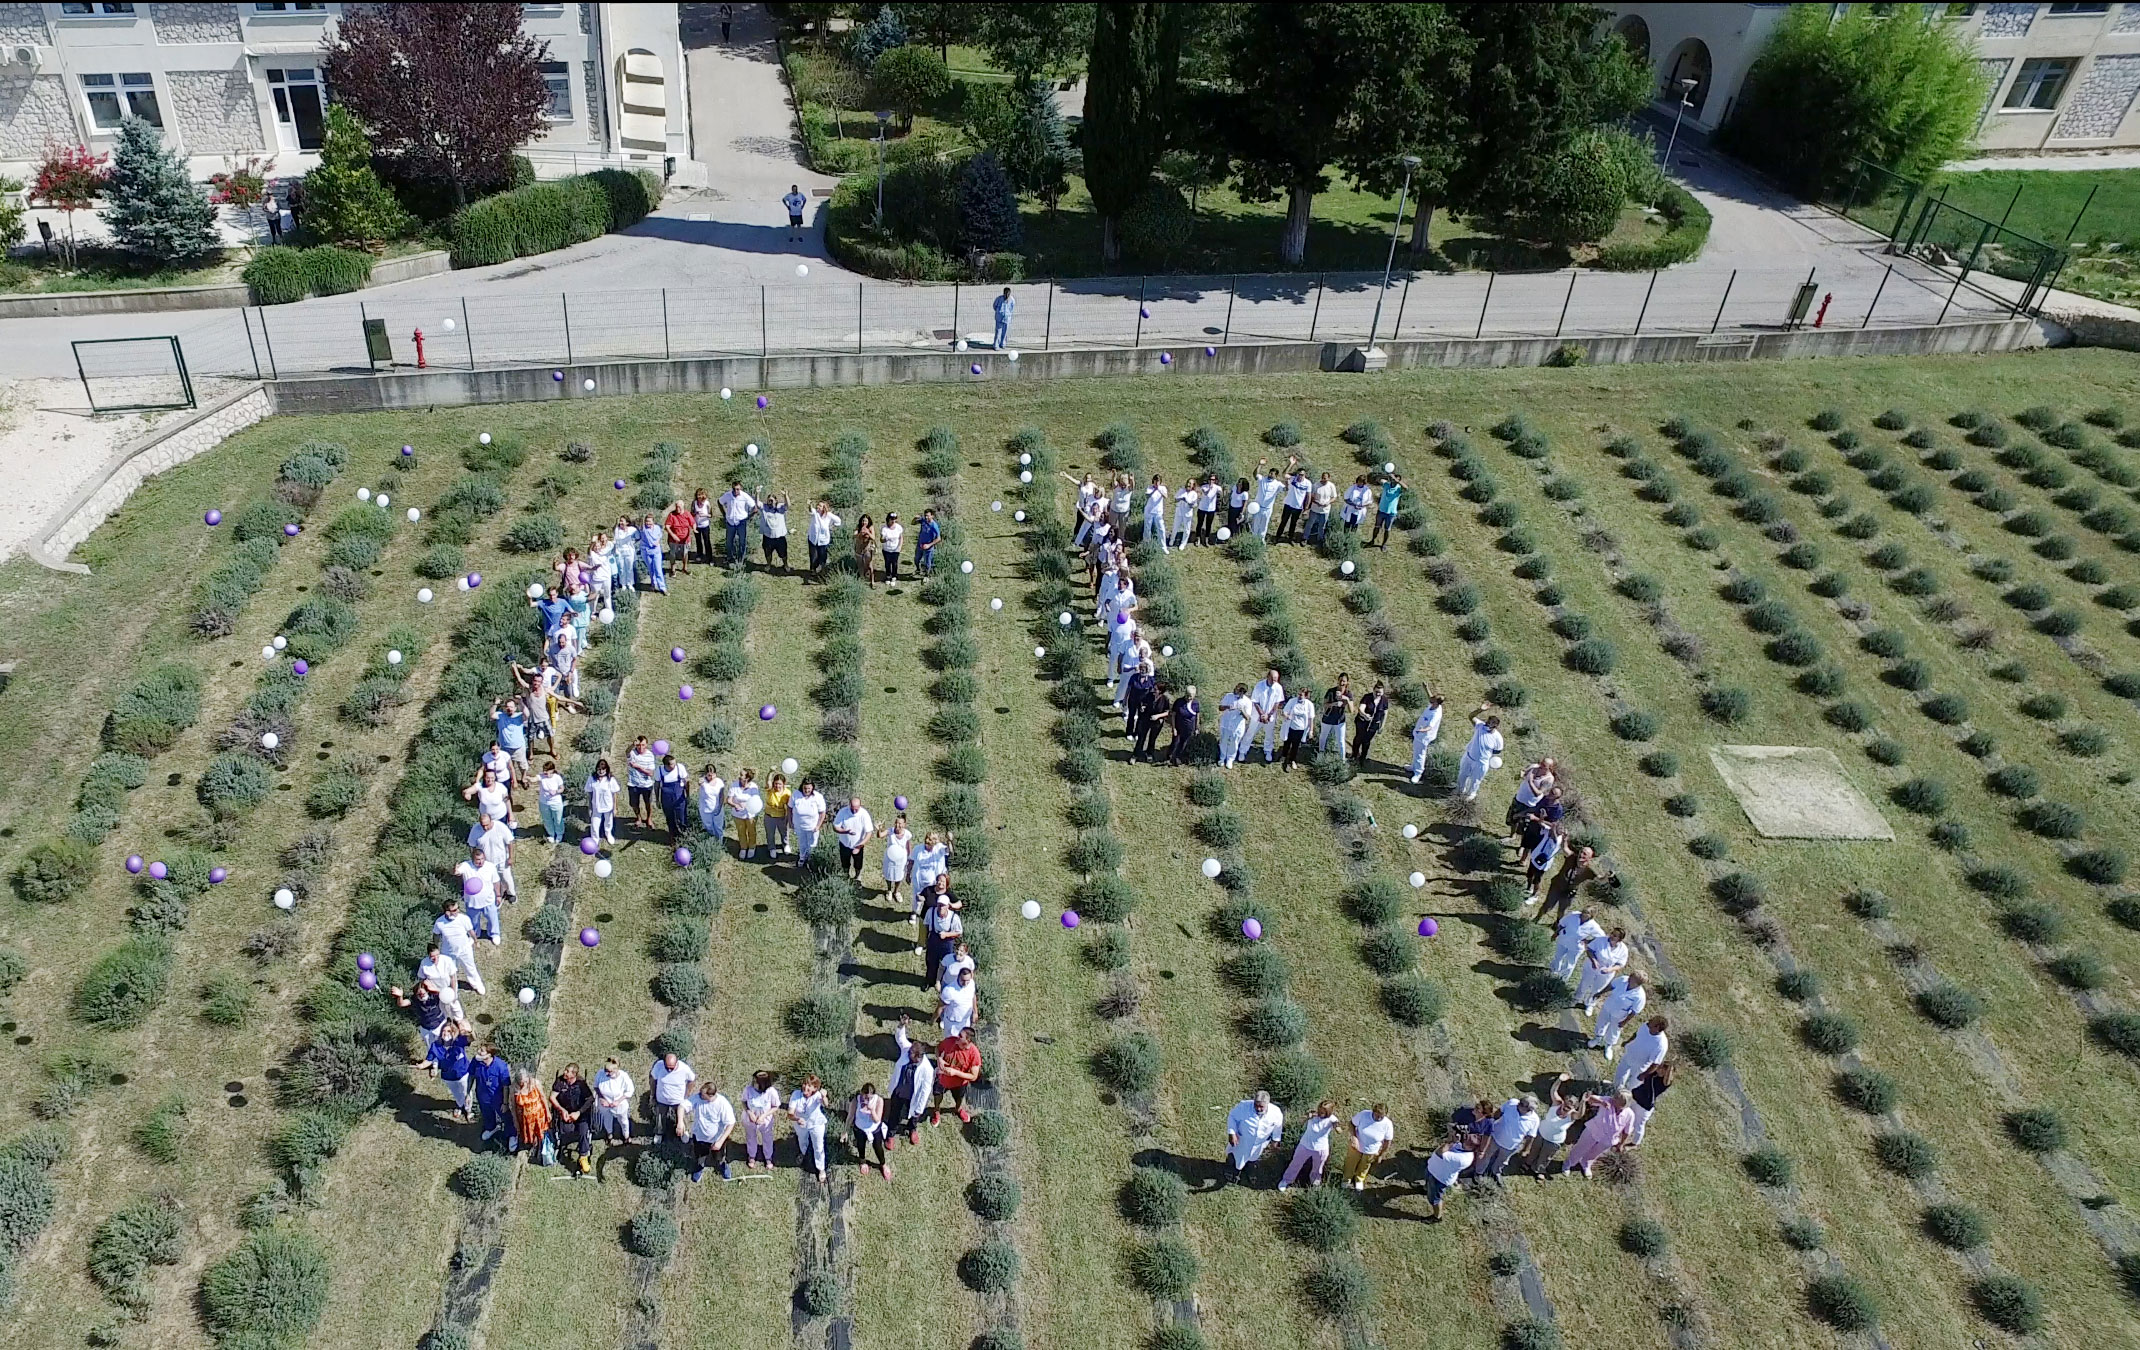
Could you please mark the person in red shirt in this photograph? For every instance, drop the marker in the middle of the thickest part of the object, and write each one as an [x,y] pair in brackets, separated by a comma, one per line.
[677,524]
[958,1066]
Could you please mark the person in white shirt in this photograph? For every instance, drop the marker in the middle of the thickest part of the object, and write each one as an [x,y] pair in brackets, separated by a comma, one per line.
[444,973]
[958,1002]
[773,529]
[602,788]
[1553,1125]
[931,860]
[1312,1150]
[491,793]
[1573,936]
[898,862]
[806,811]
[711,797]
[1184,516]
[671,1080]
[889,537]
[761,1112]
[1445,1167]
[1512,1129]
[456,938]
[853,828]
[613,1102]
[1481,756]
[1155,511]
[1207,509]
[736,508]
[1603,959]
[959,958]
[806,1107]
[713,1119]
[1237,726]
[1088,492]
[1320,499]
[1372,1131]
[1624,1001]
[913,1085]
[868,1130]
[746,802]
[1269,485]
[496,842]
[1356,499]
[1298,487]
[702,526]
[1531,786]
[1268,699]
[479,888]
[1299,716]
[550,801]
[1425,732]
[817,536]
[1251,1127]
[1649,1046]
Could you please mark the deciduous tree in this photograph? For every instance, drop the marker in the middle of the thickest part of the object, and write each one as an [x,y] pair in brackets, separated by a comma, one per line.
[1032,40]
[69,179]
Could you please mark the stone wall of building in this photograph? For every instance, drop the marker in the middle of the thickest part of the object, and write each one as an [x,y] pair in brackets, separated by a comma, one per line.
[215,110]
[2096,108]
[2007,21]
[195,23]
[33,113]
[23,23]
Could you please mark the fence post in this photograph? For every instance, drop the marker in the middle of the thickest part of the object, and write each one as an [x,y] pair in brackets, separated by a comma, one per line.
[1138,340]
[1956,289]
[1983,238]
[1047,335]
[1643,313]
[665,353]
[2097,187]
[1402,296]
[564,303]
[364,316]
[858,318]
[954,316]
[1478,332]
[1566,301]
[1877,292]
[247,318]
[1317,316]
[266,338]
[1729,282]
[1233,287]
[764,347]
[468,332]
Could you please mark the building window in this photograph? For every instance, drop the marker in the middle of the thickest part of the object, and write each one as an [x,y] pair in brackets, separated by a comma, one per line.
[2103,8]
[2041,81]
[96,9]
[300,107]
[557,78]
[114,98]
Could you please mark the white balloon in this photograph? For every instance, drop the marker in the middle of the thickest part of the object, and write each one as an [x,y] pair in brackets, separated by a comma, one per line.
[1040,651]
[267,653]
[802,269]
[727,392]
[995,604]
[1224,534]
[1025,475]
[788,766]
[602,867]
[1167,650]
[1212,868]
[921,951]
[587,385]
[1346,567]
[751,450]
[281,642]
[962,345]
[284,899]
[607,616]
[1063,618]
[1025,459]
[364,494]
[1418,879]
[534,590]
[449,325]
[484,438]
[1017,515]
[966,566]
[415,515]
[1389,466]
[995,506]
[1411,831]
[1255,508]
[1030,909]
[270,740]
[461,583]
[393,658]
[384,500]
[423,595]
[1011,356]
[527,995]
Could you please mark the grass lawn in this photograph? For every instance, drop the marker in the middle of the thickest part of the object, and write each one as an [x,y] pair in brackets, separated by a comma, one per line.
[1931,670]
[2093,213]
[104,270]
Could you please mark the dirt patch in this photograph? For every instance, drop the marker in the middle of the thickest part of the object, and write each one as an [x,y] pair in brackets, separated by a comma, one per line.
[1793,792]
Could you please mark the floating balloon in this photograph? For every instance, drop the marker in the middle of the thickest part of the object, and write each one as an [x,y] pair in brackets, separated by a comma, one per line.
[159,871]
[661,747]
[460,583]
[383,499]
[218,875]
[976,365]
[676,653]
[1070,919]
[1224,534]
[995,506]
[393,658]
[766,712]
[534,590]
[1040,651]
[1144,311]
[475,579]
[1428,928]
[764,403]
[415,515]
[960,345]
[607,616]
[1025,475]
[423,595]
[1212,869]
[1166,358]
[682,857]
[589,846]
[899,803]
[280,642]
[603,867]
[1167,650]
[1411,831]
[301,667]
[526,995]
[967,566]
[995,604]
[558,375]
[134,863]
[1347,568]
[408,449]
[471,886]
[364,494]
[1010,356]
[367,981]
[802,269]
[727,392]
[1030,909]
[1389,466]
[789,766]
[1018,515]
[213,517]
[1251,929]
[483,437]
[590,938]
[1418,879]
[684,692]
[449,325]
[270,740]
[366,961]
[267,653]
[290,529]
[588,385]
[751,449]
[620,485]
[284,898]
[1255,508]
[1211,351]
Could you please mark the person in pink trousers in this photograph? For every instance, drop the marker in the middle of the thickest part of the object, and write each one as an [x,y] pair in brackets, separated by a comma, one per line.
[1313,1150]
[1611,1124]
[761,1108]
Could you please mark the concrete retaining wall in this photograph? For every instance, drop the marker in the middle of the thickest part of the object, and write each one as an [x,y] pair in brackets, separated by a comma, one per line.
[166,447]
[447,388]
[169,299]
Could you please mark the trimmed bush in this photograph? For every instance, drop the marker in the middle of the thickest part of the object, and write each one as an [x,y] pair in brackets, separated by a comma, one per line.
[1153,1198]
[1337,1287]
[485,1177]
[53,870]
[1292,1077]
[125,985]
[1320,1218]
[1841,1302]
[272,1290]
[2009,1303]
[652,1233]
[990,1268]
[1867,1090]
[2036,1129]
[994,1196]
[1129,1064]
[1163,1268]
[1413,1000]
[1925,796]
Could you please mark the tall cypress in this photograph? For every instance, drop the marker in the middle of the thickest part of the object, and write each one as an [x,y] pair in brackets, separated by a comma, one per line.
[1129,97]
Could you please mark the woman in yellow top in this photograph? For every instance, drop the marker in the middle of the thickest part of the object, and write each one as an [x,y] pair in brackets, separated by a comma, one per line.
[777,797]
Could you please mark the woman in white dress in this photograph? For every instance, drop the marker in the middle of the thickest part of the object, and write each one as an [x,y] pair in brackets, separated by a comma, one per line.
[898,861]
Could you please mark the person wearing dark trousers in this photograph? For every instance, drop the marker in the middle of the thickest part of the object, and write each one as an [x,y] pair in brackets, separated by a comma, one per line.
[1297,717]
[728,19]
[1297,491]
[1156,708]
[1367,719]
[1187,712]
[573,1101]
[865,1117]
[1135,696]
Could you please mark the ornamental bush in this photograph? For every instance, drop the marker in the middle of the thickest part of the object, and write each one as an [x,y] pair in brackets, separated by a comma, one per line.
[272,1290]
[1153,1198]
[1163,1268]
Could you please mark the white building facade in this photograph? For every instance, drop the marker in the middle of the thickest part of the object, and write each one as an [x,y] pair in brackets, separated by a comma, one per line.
[227,82]
[2061,77]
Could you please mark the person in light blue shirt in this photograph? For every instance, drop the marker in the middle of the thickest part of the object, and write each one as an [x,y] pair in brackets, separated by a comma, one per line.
[512,728]
[650,552]
[1004,306]
[1386,512]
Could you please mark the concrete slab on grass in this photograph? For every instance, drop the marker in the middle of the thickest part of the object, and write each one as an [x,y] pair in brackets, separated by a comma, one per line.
[1794,792]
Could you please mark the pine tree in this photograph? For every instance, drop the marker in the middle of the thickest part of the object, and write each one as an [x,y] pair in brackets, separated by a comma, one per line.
[345,203]
[155,211]
[988,208]
[1136,50]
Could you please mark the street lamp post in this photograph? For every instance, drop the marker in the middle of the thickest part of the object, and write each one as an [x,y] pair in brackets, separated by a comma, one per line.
[884,118]
[1686,101]
[1411,163]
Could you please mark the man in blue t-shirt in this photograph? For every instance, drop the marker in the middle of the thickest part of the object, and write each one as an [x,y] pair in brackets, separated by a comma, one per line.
[795,202]
[511,724]
[1003,306]
[1386,512]
[926,533]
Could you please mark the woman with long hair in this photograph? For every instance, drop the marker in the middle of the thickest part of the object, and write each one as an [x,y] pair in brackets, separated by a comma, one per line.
[865,546]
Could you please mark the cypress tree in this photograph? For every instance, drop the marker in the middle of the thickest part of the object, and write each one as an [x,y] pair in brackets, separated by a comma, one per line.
[1129,95]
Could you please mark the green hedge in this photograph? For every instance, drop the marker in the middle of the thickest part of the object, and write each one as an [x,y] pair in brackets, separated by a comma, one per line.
[852,240]
[280,275]
[1688,231]
[542,217]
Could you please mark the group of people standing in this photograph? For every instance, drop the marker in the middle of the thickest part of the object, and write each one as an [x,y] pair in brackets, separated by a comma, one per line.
[1280,505]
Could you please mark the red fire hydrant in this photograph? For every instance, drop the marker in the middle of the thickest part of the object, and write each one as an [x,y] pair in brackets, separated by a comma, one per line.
[420,346]
[1819,315]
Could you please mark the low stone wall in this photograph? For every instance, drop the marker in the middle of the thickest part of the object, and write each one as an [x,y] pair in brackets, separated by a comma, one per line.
[166,447]
[170,299]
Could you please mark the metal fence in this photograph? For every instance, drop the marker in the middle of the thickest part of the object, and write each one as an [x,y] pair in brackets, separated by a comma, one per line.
[133,374]
[1920,223]
[838,315]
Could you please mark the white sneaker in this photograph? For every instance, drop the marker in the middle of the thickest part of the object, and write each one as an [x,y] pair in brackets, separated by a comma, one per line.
[1415,777]
[1283,1189]
[1359,1185]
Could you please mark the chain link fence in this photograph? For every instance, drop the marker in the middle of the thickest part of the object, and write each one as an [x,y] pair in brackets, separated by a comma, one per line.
[1920,223]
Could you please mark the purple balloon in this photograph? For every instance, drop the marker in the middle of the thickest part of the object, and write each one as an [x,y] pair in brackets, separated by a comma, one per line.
[471,886]
[1211,351]
[290,529]
[134,863]
[683,857]
[365,961]
[899,803]
[159,871]
[684,693]
[218,875]
[589,937]
[977,367]
[1428,928]
[1166,358]
[475,579]
[213,517]
[676,653]
[1252,929]
[589,846]
[1144,311]
[558,375]
[661,747]
[1070,919]
[408,449]
[300,667]
[367,981]
[766,712]
[620,485]
[764,403]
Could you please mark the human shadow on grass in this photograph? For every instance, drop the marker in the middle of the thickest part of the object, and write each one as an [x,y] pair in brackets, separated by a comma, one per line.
[1201,1175]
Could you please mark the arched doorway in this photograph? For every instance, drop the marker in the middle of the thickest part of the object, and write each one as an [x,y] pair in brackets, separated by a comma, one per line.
[1689,61]
[1635,32]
